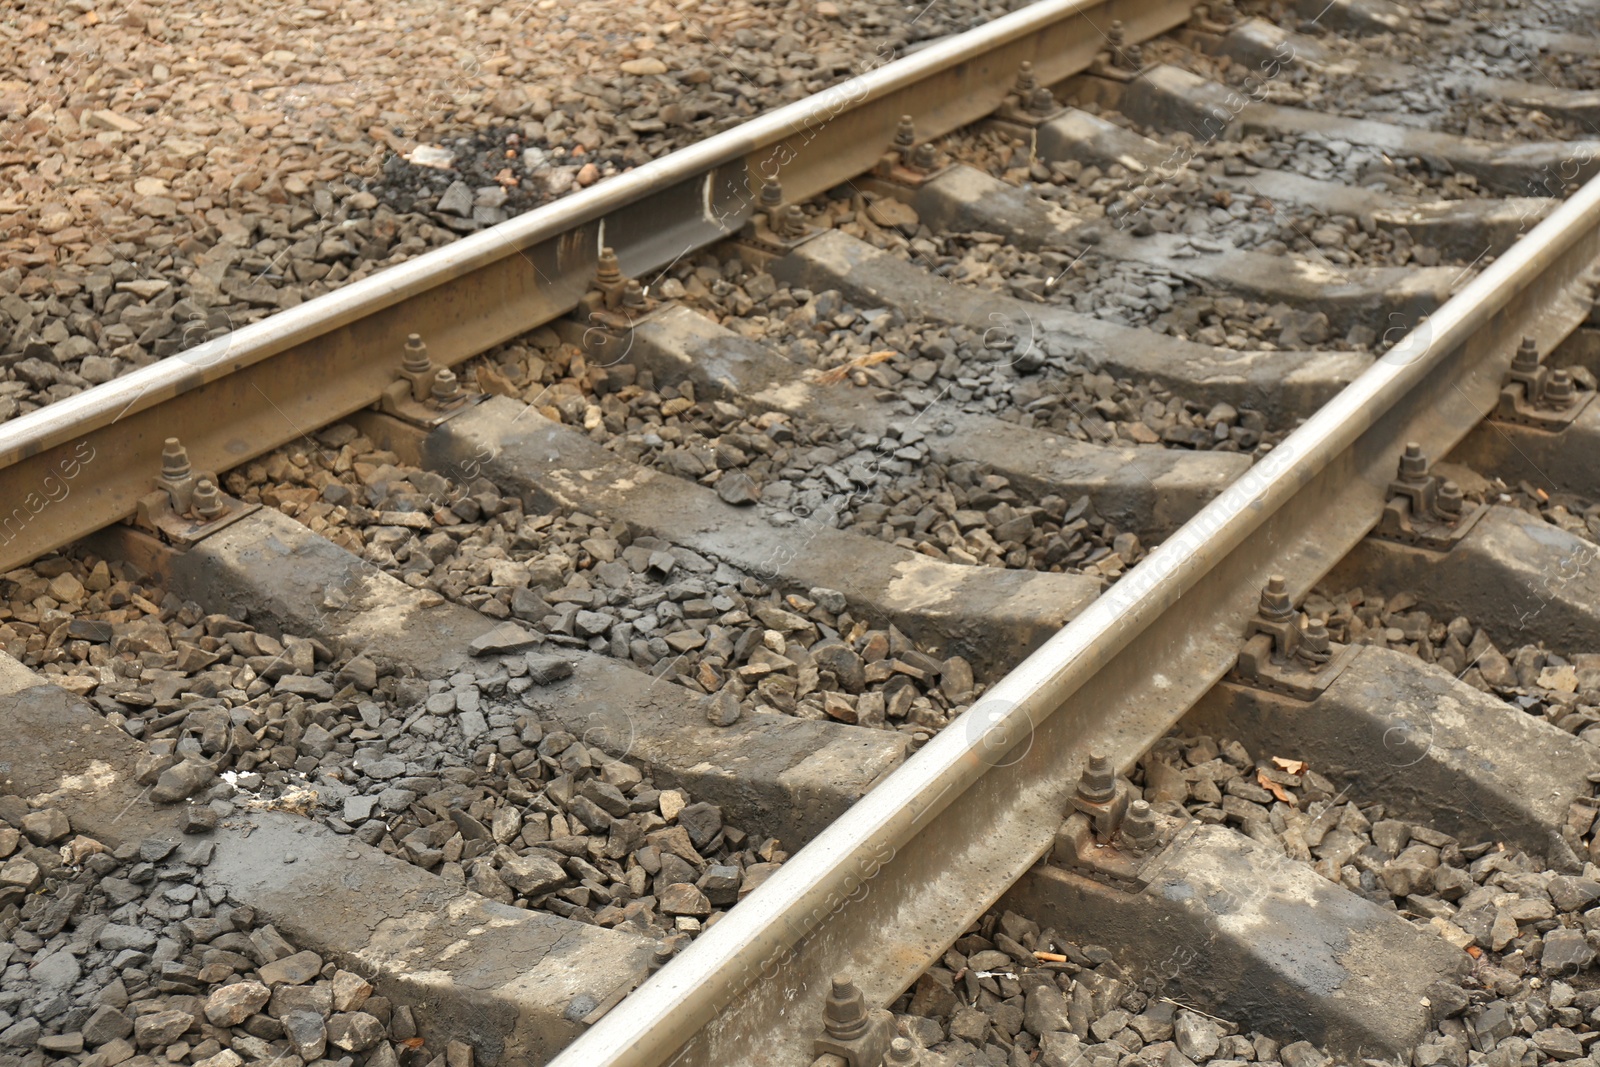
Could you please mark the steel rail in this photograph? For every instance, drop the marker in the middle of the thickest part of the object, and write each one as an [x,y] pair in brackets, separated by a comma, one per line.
[259,387]
[887,887]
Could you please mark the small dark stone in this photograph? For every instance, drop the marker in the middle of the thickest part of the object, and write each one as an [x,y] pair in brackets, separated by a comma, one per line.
[722,708]
[506,637]
[737,488]
[197,819]
[546,669]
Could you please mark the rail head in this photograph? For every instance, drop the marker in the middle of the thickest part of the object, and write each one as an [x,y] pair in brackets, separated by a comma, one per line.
[862,896]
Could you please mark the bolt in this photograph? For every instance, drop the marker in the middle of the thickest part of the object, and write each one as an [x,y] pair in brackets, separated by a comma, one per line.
[1133,57]
[1449,501]
[1314,650]
[905,133]
[175,460]
[1117,37]
[791,221]
[1275,602]
[608,271]
[415,358]
[661,956]
[1098,782]
[1414,464]
[1042,101]
[1139,828]
[1526,361]
[446,389]
[902,1053]
[844,1016]
[905,141]
[177,476]
[1558,392]
[633,294]
[207,501]
[778,215]
[1027,81]
[923,157]
[416,367]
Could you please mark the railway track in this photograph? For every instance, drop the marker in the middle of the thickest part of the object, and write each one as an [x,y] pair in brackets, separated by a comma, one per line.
[1097,563]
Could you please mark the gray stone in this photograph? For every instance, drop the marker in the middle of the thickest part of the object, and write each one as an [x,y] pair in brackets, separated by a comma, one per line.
[720,884]
[1045,1011]
[684,899]
[69,1044]
[381,768]
[117,936]
[737,488]
[1402,878]
[233,1004]
[161,1028]
[46,827]
[1155,1022]
[457,199]
[592,623]
[833,655]
[1494,1023]
[316,998]
[21,1034]
[473,725]
[607,796]
[506,637]
[359,809]
[1301,1054]
[532,875]
[106,1024]
[1110,1024]
[970,1025]
[1566,952]
[546,669]
[1059,1049]
[354,1031]
[182,781]
[90,630]
[360,672]
[197,819]
[300,685]
[1446,999]
[350,990]
[306,1034]
[1197,1037]
[1558,1043]
[55,974]
[19,873]
[297,969]
[1390,835]
[1573,894]
[702,821]
[830,600]
[722,708]
[156,849]
[529,605]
